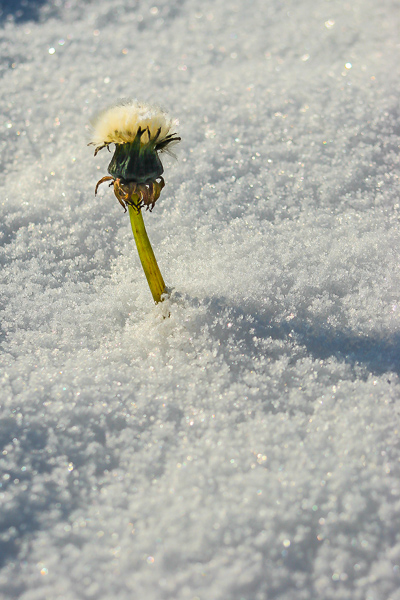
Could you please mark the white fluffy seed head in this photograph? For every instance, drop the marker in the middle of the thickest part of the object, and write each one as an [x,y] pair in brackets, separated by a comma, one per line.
[119,123]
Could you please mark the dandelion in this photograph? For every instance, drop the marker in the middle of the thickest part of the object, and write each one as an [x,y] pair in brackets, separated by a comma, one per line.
[140,132]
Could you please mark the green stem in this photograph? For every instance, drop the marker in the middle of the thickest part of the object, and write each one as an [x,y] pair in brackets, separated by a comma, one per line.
[146,254]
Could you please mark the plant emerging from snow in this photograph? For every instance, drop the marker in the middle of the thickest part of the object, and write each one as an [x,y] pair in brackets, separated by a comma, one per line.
[139,132]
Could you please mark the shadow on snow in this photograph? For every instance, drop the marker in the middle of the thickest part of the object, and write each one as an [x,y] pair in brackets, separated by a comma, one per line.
[20,10]
[376,353]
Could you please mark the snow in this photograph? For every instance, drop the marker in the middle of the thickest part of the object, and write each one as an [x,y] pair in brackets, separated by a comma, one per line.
[241,440]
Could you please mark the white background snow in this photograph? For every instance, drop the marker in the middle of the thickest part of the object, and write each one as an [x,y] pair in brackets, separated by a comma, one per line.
[246,447]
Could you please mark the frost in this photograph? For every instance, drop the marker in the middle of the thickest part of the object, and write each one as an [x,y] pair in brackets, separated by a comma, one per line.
[246,446]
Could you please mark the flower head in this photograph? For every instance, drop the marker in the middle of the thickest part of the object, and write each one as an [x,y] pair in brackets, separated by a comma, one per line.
[120,123]
[139,132]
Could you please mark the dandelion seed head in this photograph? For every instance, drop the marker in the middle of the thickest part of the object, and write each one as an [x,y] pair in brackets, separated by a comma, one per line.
[119,124]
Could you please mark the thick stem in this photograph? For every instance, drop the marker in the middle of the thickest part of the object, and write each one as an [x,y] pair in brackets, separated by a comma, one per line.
[146,254]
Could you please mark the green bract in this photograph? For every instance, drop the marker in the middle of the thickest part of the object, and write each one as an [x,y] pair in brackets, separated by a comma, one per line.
[136,161]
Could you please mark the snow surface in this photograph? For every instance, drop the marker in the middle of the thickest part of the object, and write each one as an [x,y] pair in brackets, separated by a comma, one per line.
[247,446]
